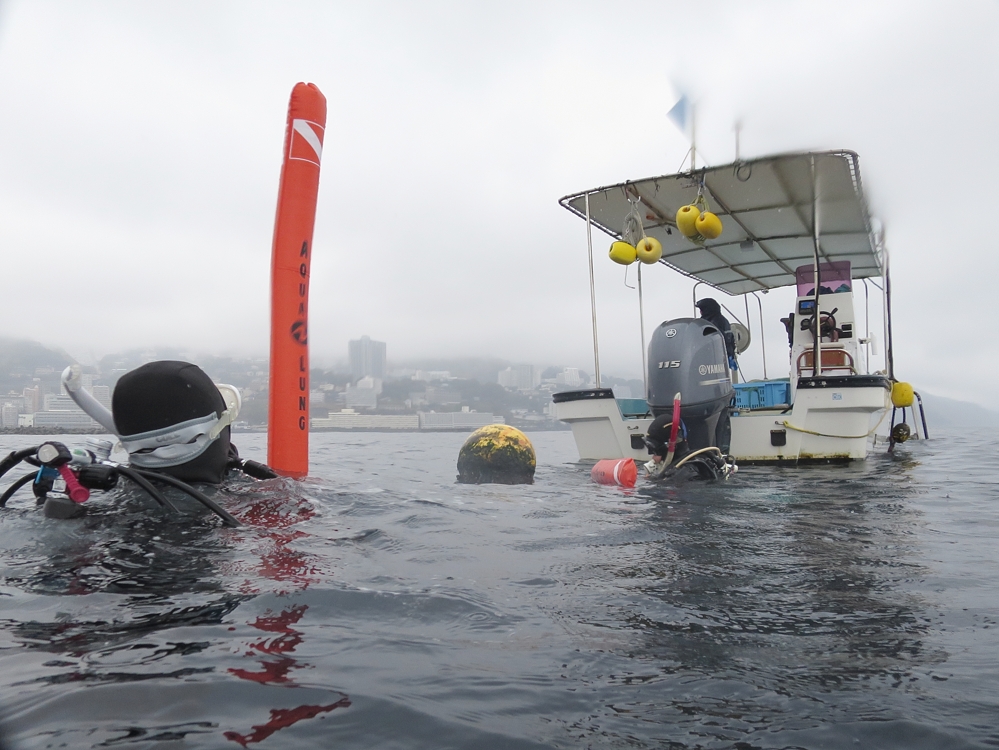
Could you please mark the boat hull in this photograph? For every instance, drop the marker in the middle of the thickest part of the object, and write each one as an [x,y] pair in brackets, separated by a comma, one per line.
[599,427]
[832,420]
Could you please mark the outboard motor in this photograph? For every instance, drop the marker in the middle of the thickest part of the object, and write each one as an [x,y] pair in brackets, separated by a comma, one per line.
[687,356]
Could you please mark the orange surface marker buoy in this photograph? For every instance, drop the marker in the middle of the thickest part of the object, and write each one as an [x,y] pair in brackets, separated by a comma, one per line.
[619,471]
[291,260]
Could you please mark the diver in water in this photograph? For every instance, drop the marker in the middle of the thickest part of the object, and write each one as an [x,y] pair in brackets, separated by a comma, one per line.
[711,312]
[681,462]
[170,418]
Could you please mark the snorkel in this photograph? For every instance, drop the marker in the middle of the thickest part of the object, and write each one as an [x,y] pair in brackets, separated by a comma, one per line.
[72,381]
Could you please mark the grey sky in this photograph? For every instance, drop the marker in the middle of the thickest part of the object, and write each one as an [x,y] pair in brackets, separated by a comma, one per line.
[140,147]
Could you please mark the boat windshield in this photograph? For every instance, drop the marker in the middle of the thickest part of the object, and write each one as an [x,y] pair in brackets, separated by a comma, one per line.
[834,278]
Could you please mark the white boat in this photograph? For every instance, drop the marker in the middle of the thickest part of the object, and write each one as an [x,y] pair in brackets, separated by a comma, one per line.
[789,219]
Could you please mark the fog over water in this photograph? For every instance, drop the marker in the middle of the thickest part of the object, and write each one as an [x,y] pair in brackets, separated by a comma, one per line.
[140,149]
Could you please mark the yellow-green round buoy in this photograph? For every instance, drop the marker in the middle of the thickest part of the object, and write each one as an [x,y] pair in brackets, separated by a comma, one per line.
[902,395]
[497,454]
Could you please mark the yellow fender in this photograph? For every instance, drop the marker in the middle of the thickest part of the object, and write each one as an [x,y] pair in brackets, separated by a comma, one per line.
[686,219]
[649,250]
[708,225]
[623,253]
[902,395]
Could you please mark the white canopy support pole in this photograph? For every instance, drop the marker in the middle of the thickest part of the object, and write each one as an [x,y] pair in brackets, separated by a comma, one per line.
[816,278]
[889,348]
[749,328]
[867,327]
[641,319]
[593,294]
[763,338]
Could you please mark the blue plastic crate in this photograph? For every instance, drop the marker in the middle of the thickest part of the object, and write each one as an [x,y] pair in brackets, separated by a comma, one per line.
[762,394]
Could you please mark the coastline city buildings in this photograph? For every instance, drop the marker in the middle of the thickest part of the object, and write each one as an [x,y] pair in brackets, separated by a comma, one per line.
[33,408]
[371,397]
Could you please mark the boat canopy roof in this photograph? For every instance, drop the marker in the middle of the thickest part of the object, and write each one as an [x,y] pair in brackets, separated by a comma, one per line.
[766,206]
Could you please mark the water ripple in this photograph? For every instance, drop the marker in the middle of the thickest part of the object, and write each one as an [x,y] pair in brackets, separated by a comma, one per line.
[379,604]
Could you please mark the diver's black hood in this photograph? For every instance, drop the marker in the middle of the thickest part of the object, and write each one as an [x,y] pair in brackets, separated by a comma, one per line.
[162,394]
[657,436]
[659,430]
[708,307]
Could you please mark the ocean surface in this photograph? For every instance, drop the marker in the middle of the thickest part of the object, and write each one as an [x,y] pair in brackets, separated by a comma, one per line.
[378,604]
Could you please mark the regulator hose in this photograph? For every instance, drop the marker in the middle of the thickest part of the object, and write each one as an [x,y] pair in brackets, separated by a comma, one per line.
[16,457]
[9,492]
[227,518]
[709,449]
[140,480]
[257,470]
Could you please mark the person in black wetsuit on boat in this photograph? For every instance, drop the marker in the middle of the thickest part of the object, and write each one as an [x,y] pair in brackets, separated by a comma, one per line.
[711,312]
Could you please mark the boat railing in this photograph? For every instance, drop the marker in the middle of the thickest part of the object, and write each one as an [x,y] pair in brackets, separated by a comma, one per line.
[834,360]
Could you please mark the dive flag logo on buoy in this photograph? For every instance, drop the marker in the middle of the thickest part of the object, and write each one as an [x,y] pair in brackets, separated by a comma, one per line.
[307,141]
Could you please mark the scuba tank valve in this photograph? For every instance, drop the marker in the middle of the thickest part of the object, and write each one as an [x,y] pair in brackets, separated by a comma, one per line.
[58,456]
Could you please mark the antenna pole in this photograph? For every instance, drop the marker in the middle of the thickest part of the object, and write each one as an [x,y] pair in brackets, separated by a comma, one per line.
[693,137]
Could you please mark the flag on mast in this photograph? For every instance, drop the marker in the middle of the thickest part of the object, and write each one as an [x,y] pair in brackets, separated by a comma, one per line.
[681,113]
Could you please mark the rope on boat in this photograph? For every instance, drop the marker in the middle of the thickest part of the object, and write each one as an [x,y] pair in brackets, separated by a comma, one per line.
[790,426]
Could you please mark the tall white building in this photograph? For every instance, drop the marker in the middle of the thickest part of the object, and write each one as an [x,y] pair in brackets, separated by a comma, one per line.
[367,358]
[570,377]
[364,394]
[103,395]
[521,377]
[32,399]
